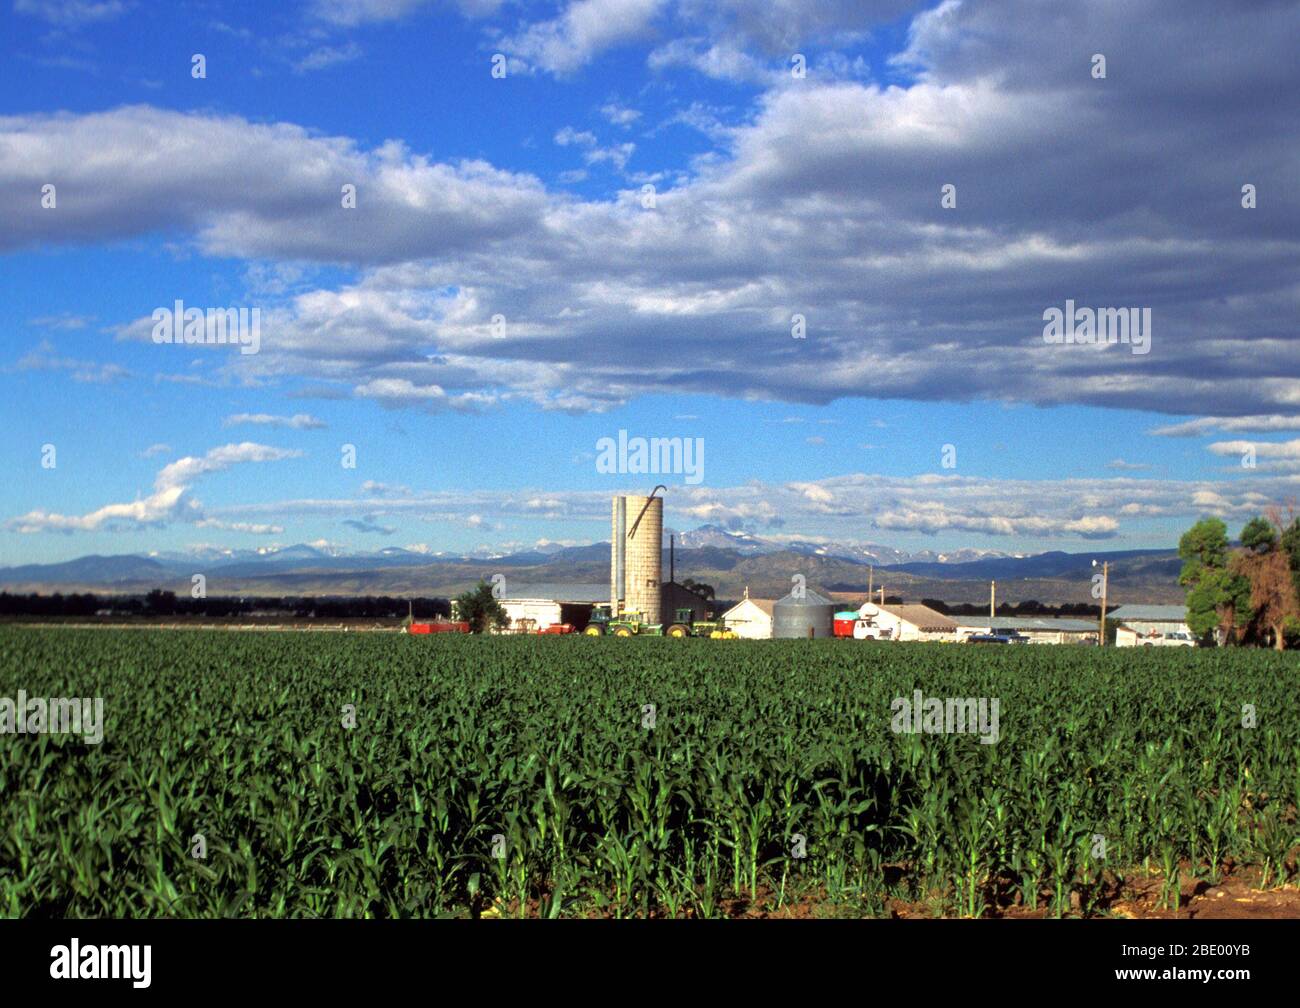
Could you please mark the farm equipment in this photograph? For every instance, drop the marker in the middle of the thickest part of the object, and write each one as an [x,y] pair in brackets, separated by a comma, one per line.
[686,625]
[628,624]
[438,627]
[557,628]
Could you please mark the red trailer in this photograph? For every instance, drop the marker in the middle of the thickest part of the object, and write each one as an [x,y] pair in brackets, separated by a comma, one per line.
[440,627]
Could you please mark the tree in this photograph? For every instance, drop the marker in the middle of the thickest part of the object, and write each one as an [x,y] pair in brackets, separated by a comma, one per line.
[1259,536]
[1221,599]
[161,603]
[1216,596]
[1290,543]
[1272,591]
[700,588]
[1203,545]
[480,609]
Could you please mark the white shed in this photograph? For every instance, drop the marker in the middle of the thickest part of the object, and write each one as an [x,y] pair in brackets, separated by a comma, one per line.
[750,617]
[909,622]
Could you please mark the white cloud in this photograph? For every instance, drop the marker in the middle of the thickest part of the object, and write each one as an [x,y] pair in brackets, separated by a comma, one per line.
[1204,425]
[169,502]
[620,115]
[581,32]
[46,358]
[1262,449]
[323,57]
[808,203]
[299,421]
[72,13]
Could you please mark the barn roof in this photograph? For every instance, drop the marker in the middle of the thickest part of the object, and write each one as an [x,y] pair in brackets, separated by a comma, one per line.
[920,616]
[766,605]
[1150,613]
[557,592]
[1048,623]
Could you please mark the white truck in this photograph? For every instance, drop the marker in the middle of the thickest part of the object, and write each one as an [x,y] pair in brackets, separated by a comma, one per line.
[1167,638]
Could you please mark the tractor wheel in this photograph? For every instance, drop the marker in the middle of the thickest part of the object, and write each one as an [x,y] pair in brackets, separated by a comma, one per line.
[679,630]
[594,631]
[622,632]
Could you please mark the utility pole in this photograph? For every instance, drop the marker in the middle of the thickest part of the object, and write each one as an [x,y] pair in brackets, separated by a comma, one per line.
[871,575]
[882,594]
[1101,622]
[993,608]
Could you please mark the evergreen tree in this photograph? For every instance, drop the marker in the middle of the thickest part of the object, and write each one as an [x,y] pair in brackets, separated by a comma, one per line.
[479,608]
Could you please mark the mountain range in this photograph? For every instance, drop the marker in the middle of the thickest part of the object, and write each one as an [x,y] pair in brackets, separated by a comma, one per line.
[731,561]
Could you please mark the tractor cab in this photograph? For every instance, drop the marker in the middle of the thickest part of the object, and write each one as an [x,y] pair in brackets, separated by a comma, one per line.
[598,623]
[686,625]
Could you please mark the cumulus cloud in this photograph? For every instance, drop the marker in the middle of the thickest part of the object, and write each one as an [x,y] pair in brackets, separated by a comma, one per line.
[620,115]
[823,201]
[169,502]
[582,31]
[842,508]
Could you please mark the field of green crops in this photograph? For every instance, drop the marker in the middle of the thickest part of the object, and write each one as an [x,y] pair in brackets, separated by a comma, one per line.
[520,775]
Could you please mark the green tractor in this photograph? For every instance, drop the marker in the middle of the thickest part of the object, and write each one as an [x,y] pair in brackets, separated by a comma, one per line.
[629,624]
[686,625]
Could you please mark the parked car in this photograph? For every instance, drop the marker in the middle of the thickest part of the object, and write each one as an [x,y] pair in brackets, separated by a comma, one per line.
[1001,637]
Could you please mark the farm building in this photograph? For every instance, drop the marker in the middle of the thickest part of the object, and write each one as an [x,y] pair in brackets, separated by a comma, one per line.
[751,617]
[673,597]
[1139,621]
[535,607]
[1039,629]
[909,622]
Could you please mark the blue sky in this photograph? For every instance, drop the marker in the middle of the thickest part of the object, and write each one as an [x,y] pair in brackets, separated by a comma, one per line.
[524,197]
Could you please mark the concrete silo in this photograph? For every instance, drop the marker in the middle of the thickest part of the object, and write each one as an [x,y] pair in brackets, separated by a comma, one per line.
[636,556]
[809,615]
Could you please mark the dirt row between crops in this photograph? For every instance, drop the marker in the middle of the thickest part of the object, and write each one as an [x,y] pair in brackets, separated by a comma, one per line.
[1237,896]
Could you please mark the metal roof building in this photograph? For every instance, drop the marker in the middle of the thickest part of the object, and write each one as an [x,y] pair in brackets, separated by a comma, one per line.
[1149,614]
[1039,629]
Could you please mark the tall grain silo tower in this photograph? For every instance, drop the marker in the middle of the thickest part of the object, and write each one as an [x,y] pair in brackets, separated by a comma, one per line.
[636,555]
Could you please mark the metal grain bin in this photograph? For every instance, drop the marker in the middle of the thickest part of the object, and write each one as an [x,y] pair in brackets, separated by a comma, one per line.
[794,617]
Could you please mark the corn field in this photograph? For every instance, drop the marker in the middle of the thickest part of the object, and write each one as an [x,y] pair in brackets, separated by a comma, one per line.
[336,775]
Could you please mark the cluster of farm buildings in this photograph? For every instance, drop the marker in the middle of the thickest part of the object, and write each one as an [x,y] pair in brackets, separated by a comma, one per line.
[636,585]
[539,606]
